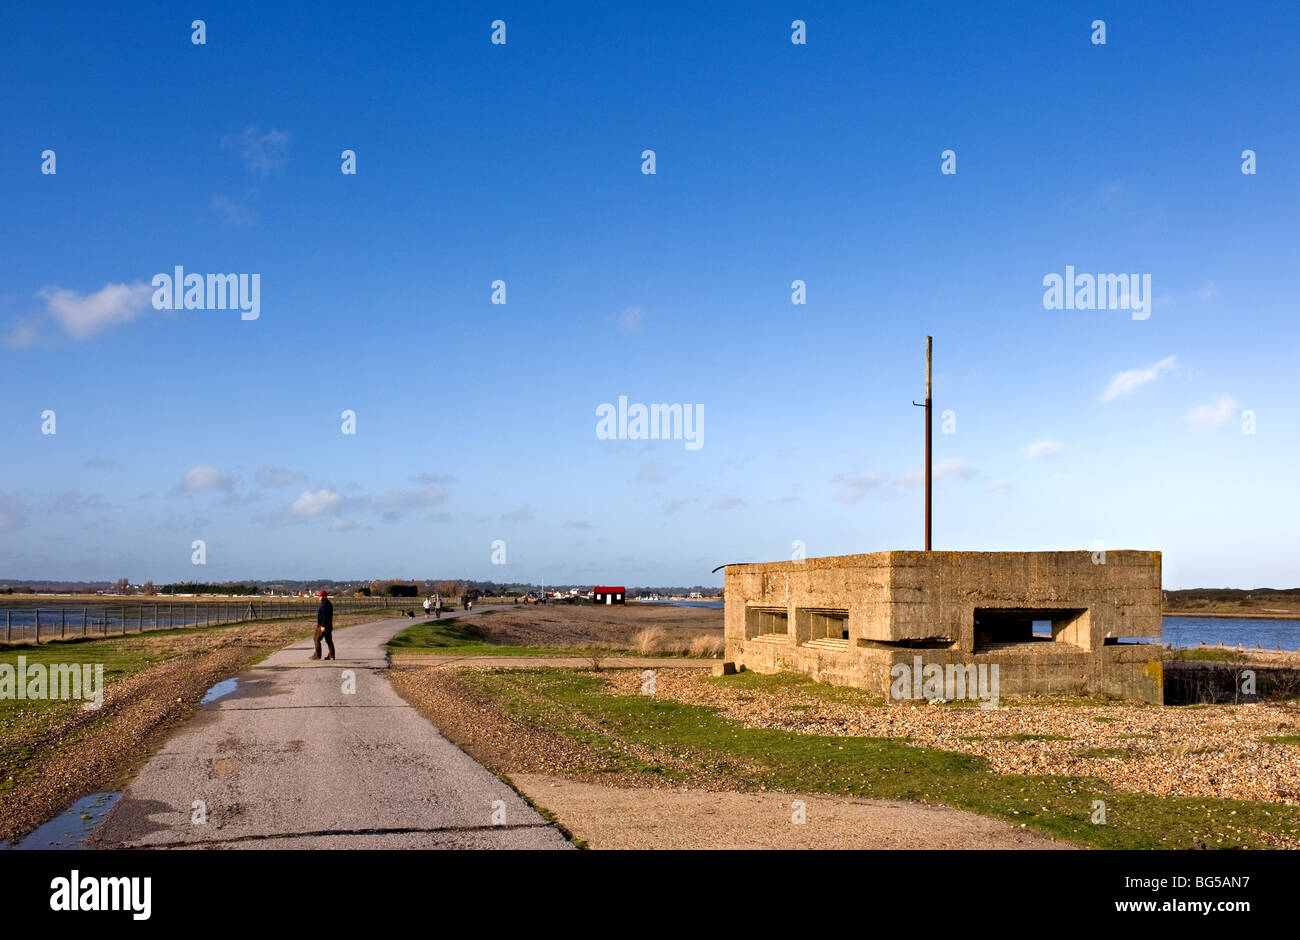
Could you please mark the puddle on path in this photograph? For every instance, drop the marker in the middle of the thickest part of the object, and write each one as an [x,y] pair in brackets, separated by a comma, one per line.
[222,688]
[71,827]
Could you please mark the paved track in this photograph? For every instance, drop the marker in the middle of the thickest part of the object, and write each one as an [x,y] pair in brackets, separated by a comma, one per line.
[290,759]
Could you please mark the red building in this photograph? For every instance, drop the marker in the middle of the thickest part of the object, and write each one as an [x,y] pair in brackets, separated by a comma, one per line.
[608,595]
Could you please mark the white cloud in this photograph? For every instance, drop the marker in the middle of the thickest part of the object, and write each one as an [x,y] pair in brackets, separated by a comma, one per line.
[235,214]
[310,505]
[1129,381]
[84,315]
[1213,416]
[1045,449]
[23,335]
[396,503]
[262,153]
[204,477]
[950,469]
[629,321]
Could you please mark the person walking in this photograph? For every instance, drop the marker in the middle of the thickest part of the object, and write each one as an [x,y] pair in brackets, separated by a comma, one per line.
[437,607]
[324,625]
[428,604]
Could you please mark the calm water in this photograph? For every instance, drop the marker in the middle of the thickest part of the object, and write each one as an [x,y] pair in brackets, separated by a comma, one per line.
[1181,632]
[1232,631]
[72,826]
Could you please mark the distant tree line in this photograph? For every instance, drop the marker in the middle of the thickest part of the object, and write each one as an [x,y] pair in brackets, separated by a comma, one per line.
[195,588]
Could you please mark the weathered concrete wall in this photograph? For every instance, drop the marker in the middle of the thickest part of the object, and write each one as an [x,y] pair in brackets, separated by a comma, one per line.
[903,604]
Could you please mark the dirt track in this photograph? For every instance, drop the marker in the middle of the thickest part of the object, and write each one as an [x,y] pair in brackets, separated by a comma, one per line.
[609,818]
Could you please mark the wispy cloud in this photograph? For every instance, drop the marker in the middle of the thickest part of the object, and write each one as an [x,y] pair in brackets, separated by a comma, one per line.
[234,213]
[278,476]
[13,513]
[522,514]
[395,504]
[629,321]
[433,479]
[651,471]
[725,501]
[1213,416]
[1129,381]
[311,505]
[950,469]
[205,477]
[262,153]
[677,504]
[855,486]
[1046,449]
[81,316]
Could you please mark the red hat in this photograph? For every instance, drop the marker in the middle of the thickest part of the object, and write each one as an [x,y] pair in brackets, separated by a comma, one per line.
[322,592]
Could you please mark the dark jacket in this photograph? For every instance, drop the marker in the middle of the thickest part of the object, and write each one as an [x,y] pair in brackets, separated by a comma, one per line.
[325,614]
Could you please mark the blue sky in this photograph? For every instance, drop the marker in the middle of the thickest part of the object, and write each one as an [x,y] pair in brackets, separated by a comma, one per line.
[522,162]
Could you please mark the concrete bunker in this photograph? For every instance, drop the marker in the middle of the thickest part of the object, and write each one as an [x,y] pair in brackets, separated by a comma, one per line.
[850,619]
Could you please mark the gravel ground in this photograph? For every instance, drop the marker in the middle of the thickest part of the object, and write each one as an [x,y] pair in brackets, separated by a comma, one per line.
[95,751]
[613,818]
[1212,751]
[631,811]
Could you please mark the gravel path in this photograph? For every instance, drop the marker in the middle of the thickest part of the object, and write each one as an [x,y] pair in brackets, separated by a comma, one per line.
[610,818]
[310,754]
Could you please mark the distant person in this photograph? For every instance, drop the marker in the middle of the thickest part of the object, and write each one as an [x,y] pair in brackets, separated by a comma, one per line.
[437,607]
[324,625]
[428,605]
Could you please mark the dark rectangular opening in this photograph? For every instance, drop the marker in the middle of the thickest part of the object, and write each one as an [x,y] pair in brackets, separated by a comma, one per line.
[1004,626]
[766,621]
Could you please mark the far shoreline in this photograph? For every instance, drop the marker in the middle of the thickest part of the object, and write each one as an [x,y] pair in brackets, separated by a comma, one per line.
[1232,616]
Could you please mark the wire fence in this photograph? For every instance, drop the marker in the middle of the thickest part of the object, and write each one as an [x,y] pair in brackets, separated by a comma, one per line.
[42,624]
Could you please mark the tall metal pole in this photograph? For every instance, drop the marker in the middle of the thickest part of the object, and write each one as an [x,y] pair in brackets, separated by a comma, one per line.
[928,423]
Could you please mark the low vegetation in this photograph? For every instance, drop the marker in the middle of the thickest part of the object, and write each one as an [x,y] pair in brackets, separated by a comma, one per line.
[669,742]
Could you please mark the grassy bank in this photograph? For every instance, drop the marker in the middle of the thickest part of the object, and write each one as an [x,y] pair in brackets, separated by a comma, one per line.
[662,740]
[454,638]
[53,751]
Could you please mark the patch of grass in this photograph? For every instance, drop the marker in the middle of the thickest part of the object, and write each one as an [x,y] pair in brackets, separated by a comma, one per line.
[1030,737]
[1281,739]
[691,741]
[1208,654]
[793,680]
[1124,753]
[449,636]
